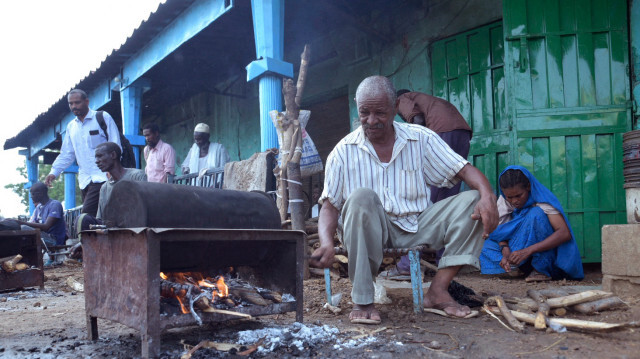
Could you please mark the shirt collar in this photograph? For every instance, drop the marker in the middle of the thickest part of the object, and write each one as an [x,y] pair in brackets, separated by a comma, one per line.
[158,145]
[90,114]
[401,131]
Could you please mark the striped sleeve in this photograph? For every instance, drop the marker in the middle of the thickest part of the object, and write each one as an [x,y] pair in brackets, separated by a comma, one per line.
[333,179]
[440,163]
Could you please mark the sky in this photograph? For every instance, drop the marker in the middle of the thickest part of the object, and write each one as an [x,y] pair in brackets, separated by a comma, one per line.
[47,47]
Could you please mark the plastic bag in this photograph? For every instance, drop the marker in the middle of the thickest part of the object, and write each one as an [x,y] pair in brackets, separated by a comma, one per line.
[310,162]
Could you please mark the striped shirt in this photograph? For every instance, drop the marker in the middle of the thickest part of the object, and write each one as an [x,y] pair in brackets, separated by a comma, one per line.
[420,158]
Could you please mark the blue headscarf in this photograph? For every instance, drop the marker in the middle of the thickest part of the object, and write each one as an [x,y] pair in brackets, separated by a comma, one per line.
[568,256]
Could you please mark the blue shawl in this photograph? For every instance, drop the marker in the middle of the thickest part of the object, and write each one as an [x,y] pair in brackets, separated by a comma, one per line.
[568,256]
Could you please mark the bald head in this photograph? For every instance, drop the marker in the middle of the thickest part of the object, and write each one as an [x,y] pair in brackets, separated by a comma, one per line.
[374,86]
[110,147]
[39,192]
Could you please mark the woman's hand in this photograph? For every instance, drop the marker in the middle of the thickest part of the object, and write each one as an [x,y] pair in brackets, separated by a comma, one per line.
[504,262]
[520,256]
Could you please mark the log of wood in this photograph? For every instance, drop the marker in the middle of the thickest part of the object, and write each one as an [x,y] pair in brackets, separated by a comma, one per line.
[9,263]
[559,312]
[599,305]
[272,296]
[506,313]
[571,323]
[387,261]
[582,297]
[527,304]
[22,266]
[313,236]
[311,228]
[543,309]
[250,295]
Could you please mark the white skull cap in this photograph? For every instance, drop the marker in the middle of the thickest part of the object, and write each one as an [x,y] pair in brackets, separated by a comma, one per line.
[202,127]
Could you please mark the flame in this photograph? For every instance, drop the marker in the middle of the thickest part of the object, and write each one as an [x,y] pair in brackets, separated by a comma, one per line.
[182,307]
[163,276]
[223,290]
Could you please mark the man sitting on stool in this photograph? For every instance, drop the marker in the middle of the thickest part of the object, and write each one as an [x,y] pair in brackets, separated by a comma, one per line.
[108,160]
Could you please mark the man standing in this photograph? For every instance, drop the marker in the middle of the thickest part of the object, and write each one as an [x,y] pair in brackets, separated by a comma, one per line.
[48,216]
[159,156]
[378,178]
[204,155]
[441,117]
[81,138]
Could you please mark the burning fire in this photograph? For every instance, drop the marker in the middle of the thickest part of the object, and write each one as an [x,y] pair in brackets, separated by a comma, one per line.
[179,284]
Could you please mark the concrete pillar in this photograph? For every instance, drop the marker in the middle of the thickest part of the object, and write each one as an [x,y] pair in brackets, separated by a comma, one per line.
[268,29]
[131,106]
[634,27]
[32,177]
[70,186]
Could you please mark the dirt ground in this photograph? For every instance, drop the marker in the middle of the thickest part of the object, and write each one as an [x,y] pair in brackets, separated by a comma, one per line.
[50,323]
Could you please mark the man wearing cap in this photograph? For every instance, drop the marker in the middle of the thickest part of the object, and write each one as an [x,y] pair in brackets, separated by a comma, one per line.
[203,154]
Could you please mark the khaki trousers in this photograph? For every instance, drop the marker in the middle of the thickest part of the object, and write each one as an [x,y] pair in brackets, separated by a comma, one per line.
[367,230]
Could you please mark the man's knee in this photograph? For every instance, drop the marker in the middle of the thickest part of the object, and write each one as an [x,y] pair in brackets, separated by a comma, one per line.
[470,197]
[362,197]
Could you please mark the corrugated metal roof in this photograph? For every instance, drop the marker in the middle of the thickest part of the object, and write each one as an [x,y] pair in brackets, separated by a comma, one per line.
[109,68]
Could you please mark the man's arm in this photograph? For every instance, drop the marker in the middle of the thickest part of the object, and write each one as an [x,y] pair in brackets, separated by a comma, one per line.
[486,209]
[327,225]
[65,159]
[169,161]
[41,226]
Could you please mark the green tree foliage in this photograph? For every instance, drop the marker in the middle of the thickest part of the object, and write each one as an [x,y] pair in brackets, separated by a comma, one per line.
[55,192]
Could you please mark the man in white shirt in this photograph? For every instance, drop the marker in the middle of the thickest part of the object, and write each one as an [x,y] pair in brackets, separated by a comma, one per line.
[378,178]
[203,154]
[82,136]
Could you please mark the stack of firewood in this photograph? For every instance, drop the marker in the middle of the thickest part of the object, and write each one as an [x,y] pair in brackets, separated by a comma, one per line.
[549,307]
[12,264]
[339,267]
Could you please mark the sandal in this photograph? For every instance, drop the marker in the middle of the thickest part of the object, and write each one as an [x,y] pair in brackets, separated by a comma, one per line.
[368,320]
[440,307]
[536,276]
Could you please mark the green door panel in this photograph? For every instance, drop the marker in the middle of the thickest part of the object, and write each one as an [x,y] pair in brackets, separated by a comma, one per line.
[569,94]
[468,71]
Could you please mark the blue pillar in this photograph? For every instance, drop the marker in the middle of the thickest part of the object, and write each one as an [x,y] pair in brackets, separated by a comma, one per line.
[70,186]
[131,106]
[268,29]
[32,177]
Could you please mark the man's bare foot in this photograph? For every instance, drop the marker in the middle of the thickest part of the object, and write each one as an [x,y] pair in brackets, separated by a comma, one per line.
[364,314]
[445,303]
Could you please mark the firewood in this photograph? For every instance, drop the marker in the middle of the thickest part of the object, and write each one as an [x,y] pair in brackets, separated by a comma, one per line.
[227,312]
[559,312]
[22,266]
[250,295]
[582,297]
[387,261]
[75,285]
[506,313]
[9,263]
[272,296]
[313,236]
[311,229]
[342,259]
[169,289]
[599,305]
[571,323]
[527,304]
[543,309]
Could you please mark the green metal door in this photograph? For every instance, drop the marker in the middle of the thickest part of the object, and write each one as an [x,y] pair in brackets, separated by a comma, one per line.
[468,71]
[568,95]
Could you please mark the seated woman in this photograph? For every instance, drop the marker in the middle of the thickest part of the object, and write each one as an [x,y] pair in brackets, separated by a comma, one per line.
[534,236]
